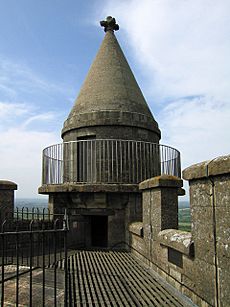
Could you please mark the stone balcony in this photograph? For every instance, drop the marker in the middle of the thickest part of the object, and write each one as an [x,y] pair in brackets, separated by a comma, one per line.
[107,161]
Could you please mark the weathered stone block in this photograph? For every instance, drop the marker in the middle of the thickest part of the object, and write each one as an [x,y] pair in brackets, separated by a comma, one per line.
[136,228]
[222,192]
[223,235]
[174,272]
[161,181]
[176,239]
[219,166]
[203,275]
[223,283]
[202,233]
[188,267]
[195,171]
[7,199]
[174,282]
[159,255]
[200,192]
[138,244]
[223,254]
[116,234]
[146,207]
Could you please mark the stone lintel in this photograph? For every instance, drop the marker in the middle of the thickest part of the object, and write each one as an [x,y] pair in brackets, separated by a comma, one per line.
[214,167]
[71,187]
[177,239]
[8,185]
[136,228]
[164,181]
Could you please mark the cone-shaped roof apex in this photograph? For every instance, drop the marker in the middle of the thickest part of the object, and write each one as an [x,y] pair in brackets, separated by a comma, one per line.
[110,84]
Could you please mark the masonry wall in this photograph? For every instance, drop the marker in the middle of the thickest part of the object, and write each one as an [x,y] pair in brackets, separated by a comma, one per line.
[7,189]
[196,263]
[121,209]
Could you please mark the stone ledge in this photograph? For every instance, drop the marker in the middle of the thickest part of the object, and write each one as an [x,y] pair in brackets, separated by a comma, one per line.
[71,187]
[8,185]
[177,239]
[166,181]
[136,228]
[110,117]
[215,167]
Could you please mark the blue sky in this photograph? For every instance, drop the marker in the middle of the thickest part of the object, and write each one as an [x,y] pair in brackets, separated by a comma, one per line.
[178,50]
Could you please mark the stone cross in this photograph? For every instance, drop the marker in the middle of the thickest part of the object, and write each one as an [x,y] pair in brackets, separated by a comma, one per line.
[109,24]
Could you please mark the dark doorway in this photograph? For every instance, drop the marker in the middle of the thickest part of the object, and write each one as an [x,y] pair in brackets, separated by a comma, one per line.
[99,231]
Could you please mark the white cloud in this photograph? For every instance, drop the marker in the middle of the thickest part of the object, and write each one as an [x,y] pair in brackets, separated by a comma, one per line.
[183,50]
[9,111]
[27,123]
[40,117]
[199,128]
[21,158]
[183,45]
[21,146]
[17,78]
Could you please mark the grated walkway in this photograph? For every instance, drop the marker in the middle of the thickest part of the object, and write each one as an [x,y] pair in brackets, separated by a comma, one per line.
[112,278]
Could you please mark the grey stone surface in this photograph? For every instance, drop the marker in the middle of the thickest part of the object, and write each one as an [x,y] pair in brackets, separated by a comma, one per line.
[120,208]
[110,92]
[71,187]
[214,167]
[110,105]
[161,181]
[203,276]
[7,189]
[136,228]
[110,124]
[176,239]
[8,185]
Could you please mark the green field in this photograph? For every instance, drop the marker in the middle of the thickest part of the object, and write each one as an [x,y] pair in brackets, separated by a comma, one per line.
[184,219]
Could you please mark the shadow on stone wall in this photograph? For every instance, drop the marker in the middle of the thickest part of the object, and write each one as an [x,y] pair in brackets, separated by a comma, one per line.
[196,262]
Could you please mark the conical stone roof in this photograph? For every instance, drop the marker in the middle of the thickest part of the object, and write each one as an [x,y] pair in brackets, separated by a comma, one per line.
[110,94]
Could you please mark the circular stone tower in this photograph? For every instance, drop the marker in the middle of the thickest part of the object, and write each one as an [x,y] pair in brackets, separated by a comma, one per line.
[110,144]
[110,104]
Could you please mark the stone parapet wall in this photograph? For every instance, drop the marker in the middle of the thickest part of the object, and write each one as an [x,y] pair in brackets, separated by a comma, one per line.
[196,263]
[7,189]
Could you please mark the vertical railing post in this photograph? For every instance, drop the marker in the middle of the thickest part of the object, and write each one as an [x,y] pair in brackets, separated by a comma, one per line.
[55,264]
[43,266]
[65,228]
[3,264]
[17,267]
[31,265]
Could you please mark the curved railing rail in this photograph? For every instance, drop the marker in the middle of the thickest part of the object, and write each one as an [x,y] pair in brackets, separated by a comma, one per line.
[108,161]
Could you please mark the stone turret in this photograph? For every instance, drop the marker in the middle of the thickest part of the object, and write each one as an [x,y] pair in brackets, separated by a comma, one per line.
[110,144]
[111,98]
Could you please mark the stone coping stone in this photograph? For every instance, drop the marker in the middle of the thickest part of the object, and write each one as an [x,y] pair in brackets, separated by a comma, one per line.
[214,167]
[136,228]
[177,239]
[72,187]
[166,181]
[8,185]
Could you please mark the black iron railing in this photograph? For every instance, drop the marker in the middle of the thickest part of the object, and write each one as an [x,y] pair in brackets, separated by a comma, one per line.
[33,261]
[108,161]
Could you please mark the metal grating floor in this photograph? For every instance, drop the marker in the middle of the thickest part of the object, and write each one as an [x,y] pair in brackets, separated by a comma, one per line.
[111,278]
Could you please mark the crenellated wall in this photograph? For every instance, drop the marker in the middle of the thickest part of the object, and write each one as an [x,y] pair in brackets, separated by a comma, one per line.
[198,262]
